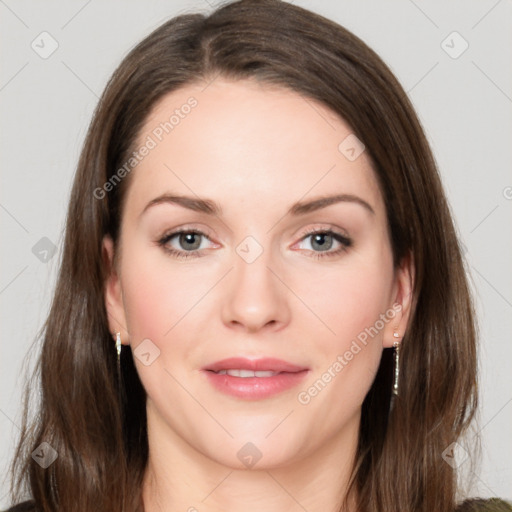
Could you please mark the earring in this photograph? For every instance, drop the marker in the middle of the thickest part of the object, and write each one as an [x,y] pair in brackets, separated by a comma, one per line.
[118,349]
[396,345]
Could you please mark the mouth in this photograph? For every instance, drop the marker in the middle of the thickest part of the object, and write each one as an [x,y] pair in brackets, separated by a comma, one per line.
[254,379]
[244,374]
[244,364]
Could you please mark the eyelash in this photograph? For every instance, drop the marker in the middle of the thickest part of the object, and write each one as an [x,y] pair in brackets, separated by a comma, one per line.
[180,254]
[342,239]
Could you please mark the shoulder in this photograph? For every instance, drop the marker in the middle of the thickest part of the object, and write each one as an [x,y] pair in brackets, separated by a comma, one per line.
[26,506]
[487,505]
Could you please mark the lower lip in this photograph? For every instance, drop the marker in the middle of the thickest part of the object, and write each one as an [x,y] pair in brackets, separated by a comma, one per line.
[255,388]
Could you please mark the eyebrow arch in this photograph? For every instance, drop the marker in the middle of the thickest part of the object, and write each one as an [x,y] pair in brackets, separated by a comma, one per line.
[192,203]
[322,202]
[300,208]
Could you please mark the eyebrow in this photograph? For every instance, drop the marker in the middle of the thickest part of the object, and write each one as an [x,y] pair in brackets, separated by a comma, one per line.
[212,208]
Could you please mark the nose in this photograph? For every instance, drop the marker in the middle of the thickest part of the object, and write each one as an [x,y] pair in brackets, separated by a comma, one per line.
[255,298]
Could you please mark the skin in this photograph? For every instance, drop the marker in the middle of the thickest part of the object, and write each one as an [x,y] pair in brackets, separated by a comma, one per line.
[255,150]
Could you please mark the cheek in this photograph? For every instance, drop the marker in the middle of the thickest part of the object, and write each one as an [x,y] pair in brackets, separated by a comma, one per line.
[145,301]
[348,358]
[162,303]
[348,300]
[158,293]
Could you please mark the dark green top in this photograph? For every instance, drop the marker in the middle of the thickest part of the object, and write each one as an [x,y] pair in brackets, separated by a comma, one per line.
[480,505]
[470,505]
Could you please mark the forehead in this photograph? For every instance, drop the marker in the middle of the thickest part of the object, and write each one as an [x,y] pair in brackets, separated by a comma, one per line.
[247,141]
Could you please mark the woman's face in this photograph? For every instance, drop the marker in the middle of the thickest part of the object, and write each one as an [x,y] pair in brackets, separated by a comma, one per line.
[248,164]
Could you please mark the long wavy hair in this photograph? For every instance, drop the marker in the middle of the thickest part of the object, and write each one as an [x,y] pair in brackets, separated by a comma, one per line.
[96,421]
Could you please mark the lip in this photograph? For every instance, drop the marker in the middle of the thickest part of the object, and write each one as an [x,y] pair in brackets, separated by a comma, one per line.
[266,363]
[254,388]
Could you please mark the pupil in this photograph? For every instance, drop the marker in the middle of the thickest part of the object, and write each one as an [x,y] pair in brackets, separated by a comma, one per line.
[320,240]
[188,238]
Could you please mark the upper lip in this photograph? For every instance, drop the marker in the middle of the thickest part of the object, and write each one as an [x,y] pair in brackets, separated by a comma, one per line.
[262,364]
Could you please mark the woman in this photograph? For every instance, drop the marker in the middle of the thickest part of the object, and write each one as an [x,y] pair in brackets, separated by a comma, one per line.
[314,346]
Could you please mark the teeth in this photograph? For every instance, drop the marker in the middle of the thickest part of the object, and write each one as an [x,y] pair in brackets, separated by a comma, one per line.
[247,373]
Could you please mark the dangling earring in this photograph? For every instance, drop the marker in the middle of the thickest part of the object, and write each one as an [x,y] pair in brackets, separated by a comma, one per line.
[396,344]
[118,349]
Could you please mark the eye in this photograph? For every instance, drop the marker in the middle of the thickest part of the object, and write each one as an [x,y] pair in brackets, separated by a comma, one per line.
[322,241]
[184,243]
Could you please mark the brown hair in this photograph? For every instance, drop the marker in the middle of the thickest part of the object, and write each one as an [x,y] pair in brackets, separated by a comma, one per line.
[99,434]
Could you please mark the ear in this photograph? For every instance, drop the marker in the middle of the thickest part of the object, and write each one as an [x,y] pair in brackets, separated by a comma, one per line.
[401,302]
[113,293]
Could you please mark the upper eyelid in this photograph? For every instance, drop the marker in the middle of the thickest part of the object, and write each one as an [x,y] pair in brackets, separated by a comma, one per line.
[185,229]
[335,231]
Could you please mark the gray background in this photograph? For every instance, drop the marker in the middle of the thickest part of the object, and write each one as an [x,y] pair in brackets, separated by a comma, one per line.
[464,104]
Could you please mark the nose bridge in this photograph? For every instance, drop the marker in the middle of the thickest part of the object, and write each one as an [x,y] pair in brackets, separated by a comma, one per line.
[255,298]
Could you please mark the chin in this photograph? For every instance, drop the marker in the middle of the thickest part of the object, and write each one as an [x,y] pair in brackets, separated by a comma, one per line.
[256,452]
